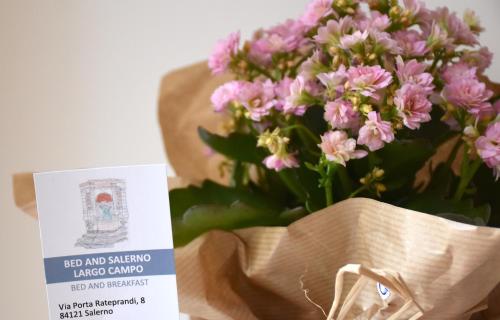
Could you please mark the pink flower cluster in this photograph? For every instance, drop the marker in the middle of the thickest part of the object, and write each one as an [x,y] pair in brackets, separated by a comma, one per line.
[411,99]
[488,147]
[277,162]
[464,90]
[223,52]
[259,98]
[371,73]
[338,147]
[283,38]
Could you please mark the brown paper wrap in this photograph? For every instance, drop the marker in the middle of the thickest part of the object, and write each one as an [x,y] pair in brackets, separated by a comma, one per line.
[256,273]
[184,105]
[435,268]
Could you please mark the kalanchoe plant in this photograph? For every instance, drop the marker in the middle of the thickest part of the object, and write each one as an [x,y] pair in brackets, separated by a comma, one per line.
[351,100]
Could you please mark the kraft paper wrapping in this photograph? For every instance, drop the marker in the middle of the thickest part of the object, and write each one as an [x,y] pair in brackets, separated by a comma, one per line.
[434,268]
[449,268]
[184,106]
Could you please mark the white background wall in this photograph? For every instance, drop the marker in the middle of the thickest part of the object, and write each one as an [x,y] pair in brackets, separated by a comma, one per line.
[78,88]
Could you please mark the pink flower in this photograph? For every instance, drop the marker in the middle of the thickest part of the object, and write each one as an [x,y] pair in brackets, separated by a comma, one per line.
[333,82]
[224,95]
[496,106]
[472,20]
[456,29]
[257,97]
[285,37]
[338,148]
[412,105]
[350,40]
[437,37]
[411,43]
[469,94]
[280,162]
[377,21]
[222,53]
[375,132]
[282,91]
[383,40]
[414,72]
[340,114]
[292,32]
[316,10]
[300,95]
[488,147]
[333,31]
[418,11]
[457,71]
[313,66]
[368,79]
[481,59]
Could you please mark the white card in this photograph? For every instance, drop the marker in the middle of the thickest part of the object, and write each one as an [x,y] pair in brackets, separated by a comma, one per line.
[107,243]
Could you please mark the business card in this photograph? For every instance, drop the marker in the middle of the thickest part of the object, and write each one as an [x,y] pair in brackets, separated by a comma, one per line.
[107,243]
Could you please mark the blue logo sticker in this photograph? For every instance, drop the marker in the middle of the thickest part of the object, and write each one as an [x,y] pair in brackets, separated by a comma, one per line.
[383,291]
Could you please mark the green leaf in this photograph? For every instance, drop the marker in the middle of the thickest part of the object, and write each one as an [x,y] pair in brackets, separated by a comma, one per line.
[291,179]
[488,191]
[212,193]
[441,179]
[199,219]
[237,146]
[195,210]
[462,210]
[315,198]
[291,215]
[435,131]
[314,120]
[402,159]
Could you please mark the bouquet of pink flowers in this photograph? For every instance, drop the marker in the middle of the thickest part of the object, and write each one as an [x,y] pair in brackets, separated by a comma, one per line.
[352,99]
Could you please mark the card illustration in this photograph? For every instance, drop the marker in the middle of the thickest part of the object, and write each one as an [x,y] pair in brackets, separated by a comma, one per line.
[105,213]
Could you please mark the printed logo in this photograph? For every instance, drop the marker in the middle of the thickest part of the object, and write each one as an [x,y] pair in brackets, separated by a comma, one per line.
[383,291]
[104,212]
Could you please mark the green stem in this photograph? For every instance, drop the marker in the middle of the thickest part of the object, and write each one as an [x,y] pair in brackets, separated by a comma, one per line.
[358,190]
[308,138]
[237,174]
[435,62]
[304,129]
[329,184]
[260,70]
[345,181]
[453,152]
[467,172]
[329,192]
[292,183]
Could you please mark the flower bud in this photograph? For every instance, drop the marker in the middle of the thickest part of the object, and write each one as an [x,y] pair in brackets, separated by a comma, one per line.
[366,108]
[273,141]
[472,21]
[372,57]
[333,51]
[380,187]
[355,100]
[378,173]
[471,132]
[395,11]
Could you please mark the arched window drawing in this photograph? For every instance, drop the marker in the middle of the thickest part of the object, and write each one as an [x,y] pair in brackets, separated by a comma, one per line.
[105,213]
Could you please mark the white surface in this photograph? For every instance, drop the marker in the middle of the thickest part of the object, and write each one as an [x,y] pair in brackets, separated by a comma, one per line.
[78,88]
